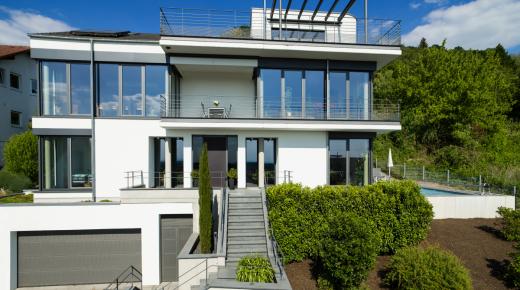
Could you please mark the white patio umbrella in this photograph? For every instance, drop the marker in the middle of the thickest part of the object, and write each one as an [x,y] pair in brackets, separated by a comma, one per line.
[390,162]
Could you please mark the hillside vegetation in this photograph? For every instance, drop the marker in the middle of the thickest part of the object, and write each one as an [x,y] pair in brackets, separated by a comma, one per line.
[460,110]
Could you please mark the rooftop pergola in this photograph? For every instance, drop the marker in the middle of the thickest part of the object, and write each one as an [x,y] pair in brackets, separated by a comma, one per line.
[277,4]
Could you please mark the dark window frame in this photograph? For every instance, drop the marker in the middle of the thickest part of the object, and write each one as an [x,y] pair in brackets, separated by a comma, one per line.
[19,81]
[19,114]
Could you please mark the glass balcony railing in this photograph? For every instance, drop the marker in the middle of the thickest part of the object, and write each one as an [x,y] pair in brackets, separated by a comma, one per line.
[292,25]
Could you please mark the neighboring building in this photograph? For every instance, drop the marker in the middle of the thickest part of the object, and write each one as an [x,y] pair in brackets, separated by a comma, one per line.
[18,92]
[281,96]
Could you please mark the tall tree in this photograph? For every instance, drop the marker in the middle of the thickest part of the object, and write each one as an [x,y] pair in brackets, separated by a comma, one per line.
[205,203]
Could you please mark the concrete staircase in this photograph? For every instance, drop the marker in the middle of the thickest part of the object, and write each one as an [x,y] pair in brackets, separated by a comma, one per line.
[246,229]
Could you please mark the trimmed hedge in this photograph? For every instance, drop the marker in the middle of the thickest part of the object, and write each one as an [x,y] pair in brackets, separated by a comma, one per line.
[300,216]
[428,268]
[13,183]
[513,269]
[349,250]
[510,223]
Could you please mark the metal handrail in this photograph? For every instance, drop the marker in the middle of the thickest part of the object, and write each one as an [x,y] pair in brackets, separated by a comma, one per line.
[119,280]
[138,178]
[279,258]
[166,287]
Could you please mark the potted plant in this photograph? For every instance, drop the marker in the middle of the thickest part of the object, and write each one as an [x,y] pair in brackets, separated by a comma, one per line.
[232,177]
[216,103]
[195,178]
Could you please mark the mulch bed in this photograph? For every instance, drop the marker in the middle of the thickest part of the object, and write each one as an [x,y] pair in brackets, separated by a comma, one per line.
[474,241]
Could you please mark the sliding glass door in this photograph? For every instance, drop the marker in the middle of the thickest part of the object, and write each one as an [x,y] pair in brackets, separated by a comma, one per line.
[349,161]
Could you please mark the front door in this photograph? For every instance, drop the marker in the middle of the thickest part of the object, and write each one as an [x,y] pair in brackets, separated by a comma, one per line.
[217,159]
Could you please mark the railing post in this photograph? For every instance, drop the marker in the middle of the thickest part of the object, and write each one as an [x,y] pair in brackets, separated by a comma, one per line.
[133,178]
[448,176]
[206,283]
[423,173]
[514,190]
[480,183]
[404,170]
[127,180]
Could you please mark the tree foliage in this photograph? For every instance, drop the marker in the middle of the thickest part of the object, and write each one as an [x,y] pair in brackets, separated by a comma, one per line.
[21,155]
[456,109]
[205,203]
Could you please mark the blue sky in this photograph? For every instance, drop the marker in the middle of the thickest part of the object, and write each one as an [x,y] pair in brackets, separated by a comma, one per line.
[458,20]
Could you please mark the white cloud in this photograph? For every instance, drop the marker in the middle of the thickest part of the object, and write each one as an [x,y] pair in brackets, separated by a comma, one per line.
[434,1]
[478,24]
[415,5]
[17,23]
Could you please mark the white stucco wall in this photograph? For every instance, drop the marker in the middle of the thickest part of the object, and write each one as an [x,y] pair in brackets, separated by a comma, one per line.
[22,100]
[85,217]
[464,207]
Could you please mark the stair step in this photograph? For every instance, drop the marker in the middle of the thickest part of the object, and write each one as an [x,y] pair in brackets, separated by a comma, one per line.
[232,234]
[244,194]
[233,206]
[247,241]
[245,250]
[245,212]
[246,226]
[238,256]
[242,199]
[246,219]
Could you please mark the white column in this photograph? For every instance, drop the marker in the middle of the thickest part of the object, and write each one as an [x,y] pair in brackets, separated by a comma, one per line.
[151,250]
[261,159]
[188,163]
[168,163]
[47,163]
[241,162]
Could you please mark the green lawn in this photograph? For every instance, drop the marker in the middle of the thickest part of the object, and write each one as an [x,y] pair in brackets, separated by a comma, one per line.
[22,198]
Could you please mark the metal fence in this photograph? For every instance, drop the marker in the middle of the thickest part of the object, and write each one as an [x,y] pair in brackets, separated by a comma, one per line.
[294,26]
[251,107]
[135,179]
[449,178]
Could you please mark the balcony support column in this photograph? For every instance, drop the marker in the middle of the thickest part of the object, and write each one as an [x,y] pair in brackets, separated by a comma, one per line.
[261,159]
[168,163]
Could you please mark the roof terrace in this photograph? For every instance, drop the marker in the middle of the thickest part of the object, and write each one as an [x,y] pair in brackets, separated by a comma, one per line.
[279,21]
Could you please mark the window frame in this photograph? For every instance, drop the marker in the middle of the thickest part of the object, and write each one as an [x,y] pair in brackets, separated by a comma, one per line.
[19,125]
[41,163]
[34,86]
[2,77]
[19,88]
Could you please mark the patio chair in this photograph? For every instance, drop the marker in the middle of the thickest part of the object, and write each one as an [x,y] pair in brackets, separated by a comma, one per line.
[204,112]
[228,112]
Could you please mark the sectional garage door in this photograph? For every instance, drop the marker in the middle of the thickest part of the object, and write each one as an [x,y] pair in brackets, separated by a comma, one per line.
[76,257]
[175,231]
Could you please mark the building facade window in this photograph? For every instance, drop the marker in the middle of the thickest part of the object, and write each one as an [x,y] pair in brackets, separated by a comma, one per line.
[34,86]
[349,161]
[108,89]
[16,119]
[156,82]
[298,34]
[177,162]
[2,77]
[14,80]
[66,88]
[66,162]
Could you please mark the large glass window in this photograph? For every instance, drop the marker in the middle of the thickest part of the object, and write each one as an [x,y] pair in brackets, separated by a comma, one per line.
[252,162]
[80,162]
[349,161]
[359,90]
[108,85]
[232,148]
[314,94]
[132,91]
[155,89]
[272,88]
[338,95]
[270,161]
[177,161]
[66,162]
[299,34]
[55,89]
[293,94]
[80,89]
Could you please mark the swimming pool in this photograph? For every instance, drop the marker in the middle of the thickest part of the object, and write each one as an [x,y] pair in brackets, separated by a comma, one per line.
[438,192]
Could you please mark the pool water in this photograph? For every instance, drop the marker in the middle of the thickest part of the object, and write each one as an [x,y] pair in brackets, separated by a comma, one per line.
[438,192]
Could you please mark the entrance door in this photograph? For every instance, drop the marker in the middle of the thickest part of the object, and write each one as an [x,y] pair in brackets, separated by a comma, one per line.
[217,159]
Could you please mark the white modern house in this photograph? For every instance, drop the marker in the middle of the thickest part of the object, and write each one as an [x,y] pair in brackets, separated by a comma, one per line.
[278,93]
[18,92]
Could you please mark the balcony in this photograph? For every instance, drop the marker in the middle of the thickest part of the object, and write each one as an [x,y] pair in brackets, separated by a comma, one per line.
[250,107]
[289,25]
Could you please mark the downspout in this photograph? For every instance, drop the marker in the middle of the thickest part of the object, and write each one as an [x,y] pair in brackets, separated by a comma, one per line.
[92,120]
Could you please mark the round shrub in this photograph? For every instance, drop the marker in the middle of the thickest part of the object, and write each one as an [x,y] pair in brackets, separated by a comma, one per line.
[255,269]
[21,155]
[13,183]
[349,250]
[513,269]
[428,268]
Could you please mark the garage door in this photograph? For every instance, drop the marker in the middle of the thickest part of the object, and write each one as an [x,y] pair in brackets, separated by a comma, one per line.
[76,257]
[175,231]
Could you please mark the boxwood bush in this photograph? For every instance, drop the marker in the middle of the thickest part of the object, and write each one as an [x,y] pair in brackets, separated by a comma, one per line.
[428,268]
[300,216]
[255,269]
[510,227]
[349,250]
